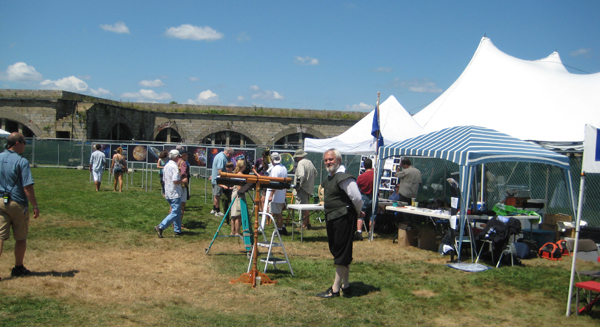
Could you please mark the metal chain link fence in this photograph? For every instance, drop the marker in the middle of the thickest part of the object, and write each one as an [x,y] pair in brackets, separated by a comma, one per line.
[544,182]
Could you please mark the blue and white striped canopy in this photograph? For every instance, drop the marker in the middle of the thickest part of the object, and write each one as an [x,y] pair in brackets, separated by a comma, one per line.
[472,146]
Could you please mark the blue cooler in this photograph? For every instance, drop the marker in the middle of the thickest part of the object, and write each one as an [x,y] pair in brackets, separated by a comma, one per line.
[541,237]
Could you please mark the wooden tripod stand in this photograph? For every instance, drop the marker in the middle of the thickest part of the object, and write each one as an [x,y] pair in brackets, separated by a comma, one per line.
[268,182]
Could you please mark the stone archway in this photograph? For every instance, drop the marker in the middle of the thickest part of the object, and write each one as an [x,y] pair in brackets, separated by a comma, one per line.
[28,127]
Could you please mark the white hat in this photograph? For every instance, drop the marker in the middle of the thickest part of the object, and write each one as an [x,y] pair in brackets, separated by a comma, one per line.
[173,153]
[275,157]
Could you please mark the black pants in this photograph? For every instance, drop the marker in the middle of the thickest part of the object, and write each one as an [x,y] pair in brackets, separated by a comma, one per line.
[340,234]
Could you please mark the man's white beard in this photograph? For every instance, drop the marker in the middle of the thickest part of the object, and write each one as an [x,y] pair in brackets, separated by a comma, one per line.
[333,169]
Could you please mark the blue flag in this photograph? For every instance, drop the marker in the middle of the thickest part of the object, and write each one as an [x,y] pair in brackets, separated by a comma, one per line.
[375,131]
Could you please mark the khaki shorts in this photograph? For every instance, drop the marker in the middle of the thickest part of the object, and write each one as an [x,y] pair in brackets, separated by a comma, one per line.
[301,197]
[236,208]
[217,190]
[277,208]
[14,215]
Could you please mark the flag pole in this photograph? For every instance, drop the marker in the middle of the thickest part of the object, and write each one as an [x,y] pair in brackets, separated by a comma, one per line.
[374,197]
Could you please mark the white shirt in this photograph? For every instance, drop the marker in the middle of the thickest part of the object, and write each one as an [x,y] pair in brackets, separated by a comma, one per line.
[170,175]
[278,171]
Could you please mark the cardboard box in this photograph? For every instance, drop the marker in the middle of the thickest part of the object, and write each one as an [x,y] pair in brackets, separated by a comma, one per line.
[555,218]
[407,237]
[551,223]
[427,240]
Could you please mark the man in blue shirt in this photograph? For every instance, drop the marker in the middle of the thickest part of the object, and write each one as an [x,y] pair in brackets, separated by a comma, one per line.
[16,186]
[218,166]
[97,165]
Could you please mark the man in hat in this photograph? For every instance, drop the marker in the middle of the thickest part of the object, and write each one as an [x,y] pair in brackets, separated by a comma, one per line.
[16,184]
[173,192]
[277,197]
[304,183]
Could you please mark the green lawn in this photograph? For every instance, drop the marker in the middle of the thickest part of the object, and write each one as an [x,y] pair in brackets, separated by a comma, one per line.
[100,263]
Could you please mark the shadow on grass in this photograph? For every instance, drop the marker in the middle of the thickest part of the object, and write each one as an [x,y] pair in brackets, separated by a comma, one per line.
[70,273]
[193,224]
[193,208]
[362,289]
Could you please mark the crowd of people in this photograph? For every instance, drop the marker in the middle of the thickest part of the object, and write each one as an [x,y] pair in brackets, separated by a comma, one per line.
[347,200]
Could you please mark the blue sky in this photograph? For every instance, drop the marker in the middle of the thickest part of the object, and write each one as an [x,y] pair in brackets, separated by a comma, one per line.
[323,55]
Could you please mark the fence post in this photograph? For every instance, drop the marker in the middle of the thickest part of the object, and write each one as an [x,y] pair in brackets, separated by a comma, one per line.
[33,151]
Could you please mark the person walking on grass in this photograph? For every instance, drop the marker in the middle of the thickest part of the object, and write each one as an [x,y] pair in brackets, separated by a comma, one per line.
[16,185]
[97,165]
[119,165]
[343,204]
[173,192]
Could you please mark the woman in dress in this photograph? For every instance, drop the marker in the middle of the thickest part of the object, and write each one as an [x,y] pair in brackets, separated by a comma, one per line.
[236,209]
[163,158]
[118,167]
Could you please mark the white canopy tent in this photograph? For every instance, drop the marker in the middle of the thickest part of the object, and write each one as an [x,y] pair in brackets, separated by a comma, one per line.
[535,100]
[3,134]
[395,122]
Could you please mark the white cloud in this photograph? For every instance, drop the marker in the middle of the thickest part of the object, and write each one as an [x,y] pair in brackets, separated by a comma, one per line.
[118,27]
[100,92]
[241,98]
[418,85]
[383,70]
[70,83]
[85,77]
[243,37]
[306,60]
[194,79]
[21,72]
[154,83]
[190,32]
[147,95]
[581,52]
[205,97]
[257,93]
[360,107]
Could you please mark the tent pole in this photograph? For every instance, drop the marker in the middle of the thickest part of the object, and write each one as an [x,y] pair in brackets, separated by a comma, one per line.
[576,246]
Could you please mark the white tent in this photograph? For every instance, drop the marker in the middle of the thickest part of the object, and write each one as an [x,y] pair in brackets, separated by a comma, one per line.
[395,122]
[3,134]
[531,100]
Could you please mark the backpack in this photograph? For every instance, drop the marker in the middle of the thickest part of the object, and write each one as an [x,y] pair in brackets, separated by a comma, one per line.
[550,251]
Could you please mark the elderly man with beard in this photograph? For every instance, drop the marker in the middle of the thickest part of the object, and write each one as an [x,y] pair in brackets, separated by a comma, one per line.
[343,204]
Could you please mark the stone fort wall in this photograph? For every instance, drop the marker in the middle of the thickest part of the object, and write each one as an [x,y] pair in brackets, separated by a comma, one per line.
[48,113]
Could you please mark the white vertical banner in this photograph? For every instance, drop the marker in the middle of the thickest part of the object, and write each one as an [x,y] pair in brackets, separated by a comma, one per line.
[591,149]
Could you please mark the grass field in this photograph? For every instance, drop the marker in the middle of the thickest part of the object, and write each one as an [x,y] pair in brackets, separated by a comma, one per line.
[98,262]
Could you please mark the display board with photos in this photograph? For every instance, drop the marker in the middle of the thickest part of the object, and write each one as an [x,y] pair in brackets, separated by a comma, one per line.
[388,178]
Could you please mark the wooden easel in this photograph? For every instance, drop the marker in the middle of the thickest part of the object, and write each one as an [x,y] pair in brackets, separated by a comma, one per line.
[267,182]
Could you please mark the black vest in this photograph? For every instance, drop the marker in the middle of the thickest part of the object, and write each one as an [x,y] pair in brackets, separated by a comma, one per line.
[337,202]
